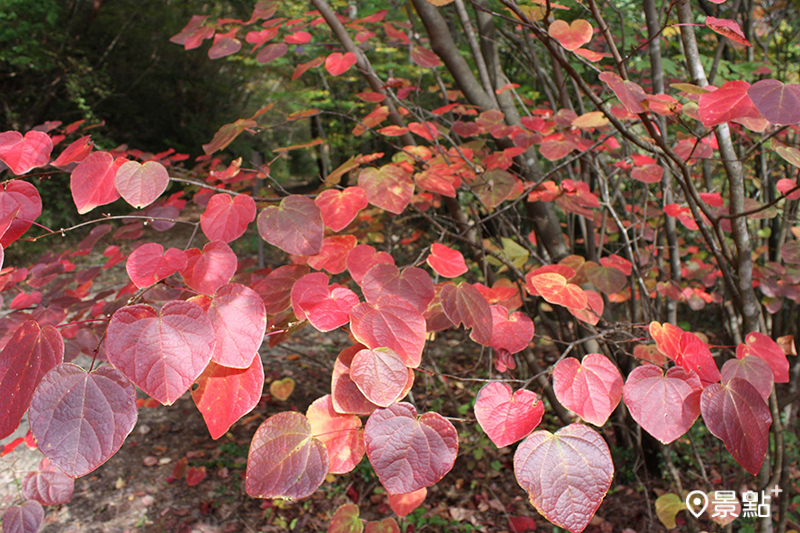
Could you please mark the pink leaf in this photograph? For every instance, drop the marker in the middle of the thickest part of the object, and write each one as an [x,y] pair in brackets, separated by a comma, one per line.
[48,485]
[767,349]
[566,474]
[463,304]
[412,284]
[210,269]
[729,102]
[338,63]
[507,418]
[295,226]
[362,258]
[591,388]
[665,406]
[446,261]
[629,93]
[380,374]
[22,154]
[390,322]
[226,219]
[339,208]
[409,452]
[326,307]
[779,103]
[92,181]
[389,187]
[285,459]
[727,28]
[195,474]
[340,433]
[239,320]
[276,288]
[141,185]
[510,333]
[25,518]
[753,370]
[404,504]
[20,205]
[571,36]
[424,57]
[81,419]
[164,352]
[149,263]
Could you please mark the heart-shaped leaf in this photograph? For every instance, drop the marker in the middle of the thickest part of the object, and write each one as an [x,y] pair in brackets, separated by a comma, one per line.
[340,433]
[325,307]
[446,261]
[20,205]
[510,333]
[149,263]
[764,347]
[362,258]
[391,322]
[295,226]
[282,389]
[464,304]
[380,374]
[75,152]
[80,419]
[387,525]
[666,406]
[92,181]
[22,154]
[389,187]
[48,485]
[210,269]
[554,288]
[163,353]
[412,284]
[727,28]
[687,350]
[340,207]
[591,388]
[239,319]
[141,184]
[424,57]
[779,103]
[224,395]
[25,518]
[738,415]
[729,102]
[31,353]
[566,474]
[409,452]
[507,417]
[346,397]
[571,36]
[608,279]
[629,93]
[226,218]
[345,520]
[404,504]
[648,173]
[285,459]
[753,370]
[338,63]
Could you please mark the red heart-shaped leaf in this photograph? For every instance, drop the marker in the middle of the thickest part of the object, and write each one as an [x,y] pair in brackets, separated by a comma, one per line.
[210,269]
[729,102]
[510,333]
[141,184]
[80,419]
[163,353]
[149,263]
[92,181]
[48,485]
[389,187]
[666,406]
[424,57]
[226,218]
[239,319]
[507,418]
[338,63]
[276,288]
[380,374]
[340,433]
[412,284]
[75,152]
[285,459]
[446,261]
[295,226]
[362,258]
[409,452]
[339,208]
[326,307]
[224,395]
[25,518]
[20,205]
[762,346]
[31,353]
[687,350]
[566,474]
[571,36]
[629,93]
[346,397]
[391,322]
[21,154]
[591,388]
[738,415]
